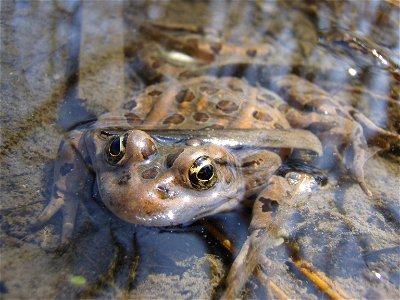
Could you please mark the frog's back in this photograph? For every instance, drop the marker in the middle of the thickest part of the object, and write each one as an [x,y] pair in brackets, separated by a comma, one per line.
[200,103]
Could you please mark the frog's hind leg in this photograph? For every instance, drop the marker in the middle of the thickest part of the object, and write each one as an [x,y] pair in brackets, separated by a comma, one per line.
[345,138]
[337,124]
[70,174]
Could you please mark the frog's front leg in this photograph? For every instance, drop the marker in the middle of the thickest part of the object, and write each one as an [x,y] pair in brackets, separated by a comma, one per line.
[71,171]
[281,194]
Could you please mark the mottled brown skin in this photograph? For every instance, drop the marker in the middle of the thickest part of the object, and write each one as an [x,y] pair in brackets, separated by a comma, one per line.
[208,102]
[149,183]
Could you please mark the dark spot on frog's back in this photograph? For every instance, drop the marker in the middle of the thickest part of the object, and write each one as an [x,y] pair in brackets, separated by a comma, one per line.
[268,204]
[251,52]
[262,116]
[227,106]
[66,168]
[124,179]
[132,119]
[174,119]
[185,95]
[154,93]
[150,173]
[200,117]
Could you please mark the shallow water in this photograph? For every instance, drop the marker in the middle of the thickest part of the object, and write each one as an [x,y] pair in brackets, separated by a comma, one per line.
[62,62]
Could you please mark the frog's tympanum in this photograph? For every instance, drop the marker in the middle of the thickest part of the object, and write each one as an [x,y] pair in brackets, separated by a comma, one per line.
[183,150]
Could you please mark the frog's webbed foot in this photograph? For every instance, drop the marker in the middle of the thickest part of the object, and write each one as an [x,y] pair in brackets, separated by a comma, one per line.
[277,197]
[340,126]
[70,174]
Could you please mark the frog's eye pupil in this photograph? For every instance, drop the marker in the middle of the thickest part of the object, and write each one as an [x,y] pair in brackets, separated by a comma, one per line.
[206,172]
[115,147]
[202,174]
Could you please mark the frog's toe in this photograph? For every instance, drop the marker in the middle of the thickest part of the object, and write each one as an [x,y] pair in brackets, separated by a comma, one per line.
[358,174]
[68,206]
[69,215]
[377,132]
[50,210]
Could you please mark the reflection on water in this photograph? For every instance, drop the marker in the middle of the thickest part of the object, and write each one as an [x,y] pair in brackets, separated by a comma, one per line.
[335,62]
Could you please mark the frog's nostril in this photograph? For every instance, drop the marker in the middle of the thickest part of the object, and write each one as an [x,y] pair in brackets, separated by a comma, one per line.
[162,188]
[164,192]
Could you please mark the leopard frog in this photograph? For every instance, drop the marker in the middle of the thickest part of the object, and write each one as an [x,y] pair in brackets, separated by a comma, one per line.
[167,161]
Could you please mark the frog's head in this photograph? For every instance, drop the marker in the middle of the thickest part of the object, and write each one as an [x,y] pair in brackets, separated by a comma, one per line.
[155,182]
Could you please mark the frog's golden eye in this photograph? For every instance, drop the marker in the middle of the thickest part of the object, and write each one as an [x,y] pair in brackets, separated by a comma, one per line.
[202,173]
[115,149]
